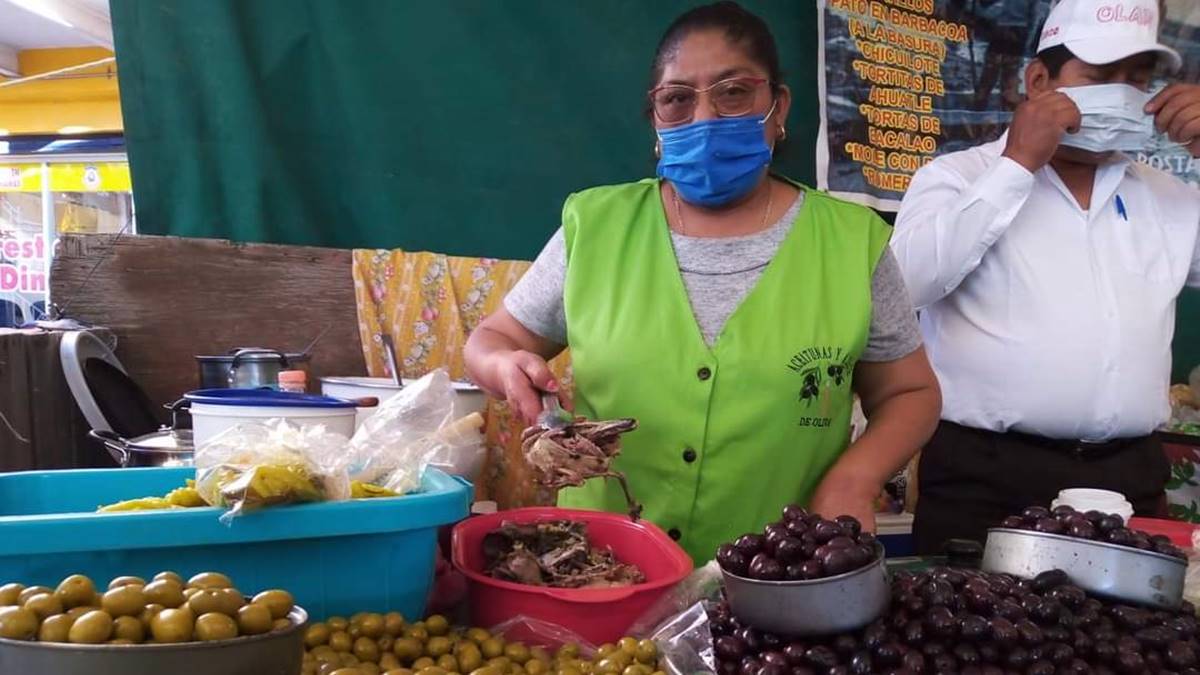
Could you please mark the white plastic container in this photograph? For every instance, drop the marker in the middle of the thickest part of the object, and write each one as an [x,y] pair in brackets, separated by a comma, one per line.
[1088,499]
[216,410]
[468,398]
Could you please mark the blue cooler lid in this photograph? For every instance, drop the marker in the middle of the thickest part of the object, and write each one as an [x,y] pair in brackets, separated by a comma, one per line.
[265,397]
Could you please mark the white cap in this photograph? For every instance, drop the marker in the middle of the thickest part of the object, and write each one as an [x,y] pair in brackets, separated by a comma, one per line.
[1105,31]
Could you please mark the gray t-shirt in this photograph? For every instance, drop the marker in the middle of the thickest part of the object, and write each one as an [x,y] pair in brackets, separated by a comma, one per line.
[718,274]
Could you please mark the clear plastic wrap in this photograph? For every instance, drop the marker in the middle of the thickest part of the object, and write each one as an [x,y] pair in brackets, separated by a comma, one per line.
[1191,580]
[678,622]
[251,466]
[412,430]
[538,633]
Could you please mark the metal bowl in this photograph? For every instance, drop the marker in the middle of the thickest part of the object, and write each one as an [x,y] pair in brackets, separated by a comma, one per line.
[819,607]
[1117,572]
[274,653]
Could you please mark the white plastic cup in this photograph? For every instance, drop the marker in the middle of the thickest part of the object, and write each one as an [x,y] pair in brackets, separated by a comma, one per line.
[1089,499]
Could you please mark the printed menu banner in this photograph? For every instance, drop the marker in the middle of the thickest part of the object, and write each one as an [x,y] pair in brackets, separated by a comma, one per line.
[903,81]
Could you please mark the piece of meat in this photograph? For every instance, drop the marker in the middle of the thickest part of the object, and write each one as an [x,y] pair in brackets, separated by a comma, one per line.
[571,455]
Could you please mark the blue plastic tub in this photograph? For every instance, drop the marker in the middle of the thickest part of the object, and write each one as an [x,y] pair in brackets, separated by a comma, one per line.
[336,558]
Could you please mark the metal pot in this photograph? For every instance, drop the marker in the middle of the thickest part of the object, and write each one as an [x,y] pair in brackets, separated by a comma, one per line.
[248,368]
[165,447]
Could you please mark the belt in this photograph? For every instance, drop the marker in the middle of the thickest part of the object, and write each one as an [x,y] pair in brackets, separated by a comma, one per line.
[1079,448]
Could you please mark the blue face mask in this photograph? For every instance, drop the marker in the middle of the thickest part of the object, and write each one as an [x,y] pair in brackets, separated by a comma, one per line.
[714,162]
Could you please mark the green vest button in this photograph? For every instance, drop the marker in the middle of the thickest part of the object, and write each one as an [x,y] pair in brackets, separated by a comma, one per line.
[674,533]
[689,455]
[704,373]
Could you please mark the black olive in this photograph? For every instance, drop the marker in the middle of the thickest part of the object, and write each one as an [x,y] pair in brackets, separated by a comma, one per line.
[981,602]
[1030,633]
[750,544]
[1003,631]
[849,524]
[773,659]
[989,652]
[1082,530]
[914,604]
[932,649]
[889,654]
[1070,596]
[1082,644]
[1154,662]
[1169,549]
[874,634]
[867,539]
[820,656]
[973,627]
[1045,612]
[845,644]
[825,530]
[728,667]
[750,638]
[913,661]
[914,633]
[1075,666]
[952,577]
[1035,513]
[1142,542]
[938,593]
[749,666]
[1120,537]
[794,572]
[794,512]
[789,550]
[1063,511]
[1180,654]
[796,528]
[945,663]
[941,622]
[966,654]
[836,560]
[729,648]
[842,542]
[772,535]
[1017,658]
[1130,662]
[810,545]
[811,569]
[1048,580]
[1013,523]
[1109,523]
[794,653]
[1154,637]
[1059,654]
[1184,625]
[1040,668]
[839,670]
[773,669]
[772,642]
[897,620]
[861,663]
[765,568]
[1010,610]
[1131,617]
[733,560]
[1056,634]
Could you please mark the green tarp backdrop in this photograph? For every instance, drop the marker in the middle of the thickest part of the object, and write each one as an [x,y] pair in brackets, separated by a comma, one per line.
[456,126]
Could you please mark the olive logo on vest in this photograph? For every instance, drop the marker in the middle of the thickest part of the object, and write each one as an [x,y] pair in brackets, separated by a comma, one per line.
[822,370]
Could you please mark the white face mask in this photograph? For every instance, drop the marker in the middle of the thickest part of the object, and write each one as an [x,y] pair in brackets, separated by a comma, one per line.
[1114,118]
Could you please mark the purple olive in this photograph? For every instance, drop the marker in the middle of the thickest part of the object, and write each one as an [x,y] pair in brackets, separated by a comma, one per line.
[1063,511]
[794,572]
[789,550]
[750,544]
[820,656]
[836,560]
[1082,529]
[1109,523]
[774,659]
[826,530]
[733,560]
[849,524]
[1013,523]
[794,512]
[841,542]
[1180,654]
[1049,526]
[765,568]
[796,528]
[729,648]
[1035,513]
[812,569]
[795,653]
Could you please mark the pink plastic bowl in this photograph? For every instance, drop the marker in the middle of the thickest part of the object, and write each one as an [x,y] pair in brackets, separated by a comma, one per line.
[598,615]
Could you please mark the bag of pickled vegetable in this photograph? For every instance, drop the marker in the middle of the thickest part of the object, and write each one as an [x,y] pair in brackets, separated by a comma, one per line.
[252,466]
[412,430]
[678,623]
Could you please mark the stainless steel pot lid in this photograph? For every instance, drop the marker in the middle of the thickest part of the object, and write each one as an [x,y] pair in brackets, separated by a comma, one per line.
[166,440]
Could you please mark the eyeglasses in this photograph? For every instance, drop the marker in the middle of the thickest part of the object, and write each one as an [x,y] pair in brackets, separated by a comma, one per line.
[676,103]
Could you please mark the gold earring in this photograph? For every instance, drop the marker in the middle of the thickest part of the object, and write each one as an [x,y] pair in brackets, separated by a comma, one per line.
[782,133]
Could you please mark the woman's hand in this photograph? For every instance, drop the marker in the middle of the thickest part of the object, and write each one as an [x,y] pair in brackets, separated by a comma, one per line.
[846,496]
[508,361]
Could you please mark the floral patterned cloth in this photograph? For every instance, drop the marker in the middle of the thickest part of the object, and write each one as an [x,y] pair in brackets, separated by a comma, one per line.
[429,303]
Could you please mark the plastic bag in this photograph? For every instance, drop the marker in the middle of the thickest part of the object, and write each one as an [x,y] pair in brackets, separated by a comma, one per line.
[678,622]
[410,431]
[251,466]
[1191,579]
[538,633]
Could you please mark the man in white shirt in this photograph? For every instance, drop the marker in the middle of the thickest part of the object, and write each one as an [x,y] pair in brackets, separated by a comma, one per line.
[1046,266]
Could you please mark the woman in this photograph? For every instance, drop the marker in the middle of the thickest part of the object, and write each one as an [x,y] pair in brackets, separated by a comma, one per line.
[732,312]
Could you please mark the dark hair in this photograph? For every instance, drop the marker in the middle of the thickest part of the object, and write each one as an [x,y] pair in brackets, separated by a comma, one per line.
[742,28]
[1054,58]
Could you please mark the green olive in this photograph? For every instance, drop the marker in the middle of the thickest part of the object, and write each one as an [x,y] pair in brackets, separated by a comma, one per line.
[17,623]
[315,635]
[129,628]
[447,663]
[76,612]
[647,652]
[256,620]
[279,602]
[164,592]
[189,593]
[206,600]
[407,649]
[173,625]
[478,635]
[215,626]
[393,623]
[369,668]
[10,594]
[126,581]
[340,641]
[432,670]
[93,628]
[385,644]
[30,591]
[536,667]
[492,648]
[169,576]
[438,647]
[437,625]
[44,605]
[469,657]
[281,624]
[399,671]
[609,666]
[76,591]
[348,660]
[517,652]
[210,580]
[231,601]
[55,628]
[365,649]
[423,663]
[347,671]
[127,600]
[149,612]
[487,670]
[637,669]
[372,626]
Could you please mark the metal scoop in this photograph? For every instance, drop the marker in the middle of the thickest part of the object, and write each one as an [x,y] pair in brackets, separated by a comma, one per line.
[553,416]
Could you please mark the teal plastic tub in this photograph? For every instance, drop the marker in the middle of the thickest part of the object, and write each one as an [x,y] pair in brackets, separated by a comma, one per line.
[336,558]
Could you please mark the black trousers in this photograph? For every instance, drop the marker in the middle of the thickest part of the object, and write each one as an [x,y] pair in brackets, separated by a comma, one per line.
[969,479]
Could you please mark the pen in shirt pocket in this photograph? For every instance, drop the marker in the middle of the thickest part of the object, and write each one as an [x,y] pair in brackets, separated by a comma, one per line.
[1120,203]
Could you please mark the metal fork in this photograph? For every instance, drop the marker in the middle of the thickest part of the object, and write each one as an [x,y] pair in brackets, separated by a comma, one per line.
[553,416]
